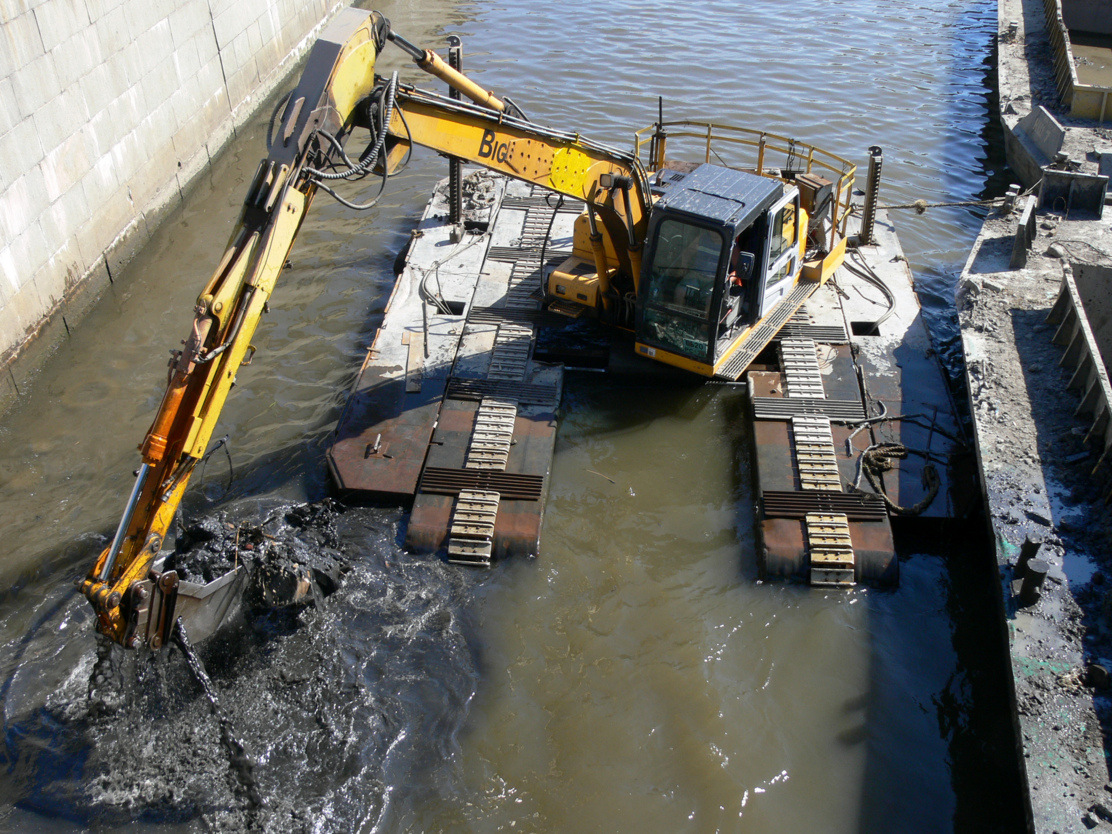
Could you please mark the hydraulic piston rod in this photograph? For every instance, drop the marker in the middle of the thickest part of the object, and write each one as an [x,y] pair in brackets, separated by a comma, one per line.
[125,521]
[433,64]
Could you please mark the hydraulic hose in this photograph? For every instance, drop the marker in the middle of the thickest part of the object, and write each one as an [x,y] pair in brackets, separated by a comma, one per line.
[370,158]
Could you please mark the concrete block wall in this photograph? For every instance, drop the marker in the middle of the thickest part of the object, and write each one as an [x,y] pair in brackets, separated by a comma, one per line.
[108,108]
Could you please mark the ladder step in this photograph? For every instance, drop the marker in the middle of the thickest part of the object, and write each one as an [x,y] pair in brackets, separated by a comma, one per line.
[494,424]
[487,455]
[498,424]
[830,546]
[830,550]
[833,531]
[497,445]
[832,578]
[466,517]
[485,435]
[470,553]
[473,499]
[566,308]
[467,530]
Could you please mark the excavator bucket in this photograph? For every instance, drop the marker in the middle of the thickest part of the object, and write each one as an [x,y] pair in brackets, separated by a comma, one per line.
[161,600]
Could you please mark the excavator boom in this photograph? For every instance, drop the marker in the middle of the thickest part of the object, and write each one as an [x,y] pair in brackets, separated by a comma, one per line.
[134,606]
[612,183]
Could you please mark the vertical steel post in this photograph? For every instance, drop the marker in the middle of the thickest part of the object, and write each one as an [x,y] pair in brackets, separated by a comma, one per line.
[656,146]
[1030,588]
[872,190]
[1027,551]
[455,174]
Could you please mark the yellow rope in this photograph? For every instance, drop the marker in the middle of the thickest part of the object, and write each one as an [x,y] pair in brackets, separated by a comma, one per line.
[921,206]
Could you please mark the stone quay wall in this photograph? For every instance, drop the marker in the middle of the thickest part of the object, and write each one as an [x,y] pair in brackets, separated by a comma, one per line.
[108,109]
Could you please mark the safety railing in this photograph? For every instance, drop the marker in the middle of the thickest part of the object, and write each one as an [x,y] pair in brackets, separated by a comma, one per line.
[753,150]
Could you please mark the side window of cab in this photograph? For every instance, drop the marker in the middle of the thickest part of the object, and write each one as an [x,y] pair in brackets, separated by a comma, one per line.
[783,231]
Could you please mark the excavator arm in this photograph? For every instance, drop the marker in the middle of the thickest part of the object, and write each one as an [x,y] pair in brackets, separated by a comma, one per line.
[134,605]
[612,183]
[135,602]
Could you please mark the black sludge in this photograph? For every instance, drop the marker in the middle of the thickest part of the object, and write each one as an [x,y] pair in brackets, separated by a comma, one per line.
[342,702]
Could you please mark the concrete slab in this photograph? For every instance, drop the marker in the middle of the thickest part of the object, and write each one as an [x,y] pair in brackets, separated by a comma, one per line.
[1034,471]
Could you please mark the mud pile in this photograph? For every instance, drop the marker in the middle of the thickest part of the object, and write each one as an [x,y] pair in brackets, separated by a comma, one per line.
[293,557]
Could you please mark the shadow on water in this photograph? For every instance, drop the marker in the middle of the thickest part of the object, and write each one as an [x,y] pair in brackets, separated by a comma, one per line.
[939,687]
[935,719]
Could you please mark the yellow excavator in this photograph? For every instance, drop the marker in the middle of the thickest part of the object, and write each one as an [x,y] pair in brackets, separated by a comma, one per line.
[704,272]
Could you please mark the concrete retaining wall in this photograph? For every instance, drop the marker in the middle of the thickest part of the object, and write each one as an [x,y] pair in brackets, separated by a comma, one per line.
[108,108]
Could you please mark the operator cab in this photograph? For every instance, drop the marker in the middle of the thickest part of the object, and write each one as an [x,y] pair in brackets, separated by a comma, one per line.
[722,250]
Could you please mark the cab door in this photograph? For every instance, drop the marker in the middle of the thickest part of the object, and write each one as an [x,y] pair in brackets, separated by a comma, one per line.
[782,260]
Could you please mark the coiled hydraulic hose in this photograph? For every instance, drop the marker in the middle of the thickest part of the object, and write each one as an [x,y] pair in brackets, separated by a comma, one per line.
[368,159]
[353,171]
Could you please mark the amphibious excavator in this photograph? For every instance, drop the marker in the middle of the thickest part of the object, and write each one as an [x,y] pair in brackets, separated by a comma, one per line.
[703,274]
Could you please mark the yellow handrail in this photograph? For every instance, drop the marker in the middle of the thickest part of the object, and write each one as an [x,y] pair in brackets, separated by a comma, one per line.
[723,141]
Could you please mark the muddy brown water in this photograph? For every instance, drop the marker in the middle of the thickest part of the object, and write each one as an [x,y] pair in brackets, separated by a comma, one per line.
[635,677]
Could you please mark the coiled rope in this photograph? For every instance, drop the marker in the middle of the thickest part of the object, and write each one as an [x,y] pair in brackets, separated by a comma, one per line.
[880,458]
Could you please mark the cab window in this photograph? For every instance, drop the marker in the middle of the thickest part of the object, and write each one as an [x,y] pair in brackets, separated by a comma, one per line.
[679,290]
[775,276]
[783,231]
[685,263]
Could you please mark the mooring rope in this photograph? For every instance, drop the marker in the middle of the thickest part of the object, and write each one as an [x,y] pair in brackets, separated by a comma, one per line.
[921,206]
[878,459]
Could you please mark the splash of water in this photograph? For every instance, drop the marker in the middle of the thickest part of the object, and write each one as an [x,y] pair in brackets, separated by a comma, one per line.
[242,768]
